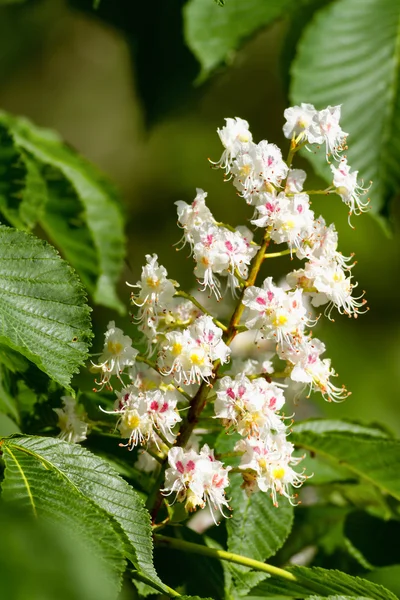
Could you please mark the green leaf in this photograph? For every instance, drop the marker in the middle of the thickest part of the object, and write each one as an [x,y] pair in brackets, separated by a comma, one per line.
[194,598]
[13,360]
[387,576]
[65,224]
[42,561]
[98,483]
[340,62]
[7,401]
[43,310]
[13,172]
[324,582]
[34,195]
[7,426]
[213,34]
[365,451]
[95,202]
[36,485]
[257,528]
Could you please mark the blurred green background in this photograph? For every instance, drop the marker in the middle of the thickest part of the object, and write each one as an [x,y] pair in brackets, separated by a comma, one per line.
[70,70]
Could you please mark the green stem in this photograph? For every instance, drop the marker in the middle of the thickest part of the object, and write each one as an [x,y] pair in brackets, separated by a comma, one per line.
[162,588]
[276,254]
[193,300]
[235,320]
[319,192]
[147,361]
[162,540]
[295,146]
[156,457]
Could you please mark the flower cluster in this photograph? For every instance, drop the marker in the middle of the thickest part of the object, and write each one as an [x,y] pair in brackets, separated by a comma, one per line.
[189,355]
[217,250]
[251,407]
[193,358]
[196,478]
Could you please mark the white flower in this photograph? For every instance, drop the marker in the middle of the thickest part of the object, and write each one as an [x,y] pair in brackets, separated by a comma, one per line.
[188,355]
[223,252]
[144,415]
[268,466]
[348,189]
[295,181]
[156,290]
[209,336]
[235,137]
[294,222]
[277,314]
[310,369]
[135,423]
[117,354]
[304,123]
[258,170]
[334,137]
[269,208]
[270,162]
[327,283]
[161,407]
[321,245]
[196,478]
[192,216]
[301,124]
[73,427]
[249,407]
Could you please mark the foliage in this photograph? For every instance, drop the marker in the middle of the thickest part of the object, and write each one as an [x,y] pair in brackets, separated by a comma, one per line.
[46,183]
[42,306]
[92,507]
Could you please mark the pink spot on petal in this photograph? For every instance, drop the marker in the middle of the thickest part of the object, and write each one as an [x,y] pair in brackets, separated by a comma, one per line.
[164,407]
[260,300]
[154,405]
[270,296]
[190,466]
[241,390]
[230,393]
[179,467]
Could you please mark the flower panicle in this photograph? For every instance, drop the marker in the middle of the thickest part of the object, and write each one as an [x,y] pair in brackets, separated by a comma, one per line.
[194,359]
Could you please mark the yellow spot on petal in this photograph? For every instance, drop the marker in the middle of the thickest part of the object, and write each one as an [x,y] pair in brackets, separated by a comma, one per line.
[278,473]
[153,282]
[280,320]
[132,420]
[176,348]
[245,170]
[114,347]
[197,359]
